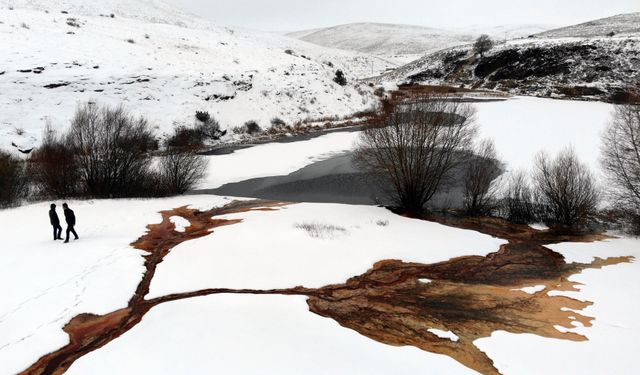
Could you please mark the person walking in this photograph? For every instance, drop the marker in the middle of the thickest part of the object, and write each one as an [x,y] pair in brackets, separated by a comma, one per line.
[70,218]
[55,222]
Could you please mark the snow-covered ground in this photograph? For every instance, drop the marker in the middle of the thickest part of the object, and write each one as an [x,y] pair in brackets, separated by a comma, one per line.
[269,251]
[46,283]
[233,334]
[614,337]
[51,61]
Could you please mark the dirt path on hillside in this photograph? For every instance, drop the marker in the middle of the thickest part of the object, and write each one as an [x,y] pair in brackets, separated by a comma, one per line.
[395,303]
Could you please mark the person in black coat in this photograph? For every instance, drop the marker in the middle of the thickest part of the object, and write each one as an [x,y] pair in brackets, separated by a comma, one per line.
[70,218]
[55,222]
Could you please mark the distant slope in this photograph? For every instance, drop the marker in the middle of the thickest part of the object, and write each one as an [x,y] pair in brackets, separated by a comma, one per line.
[383,39]
[601,68]
[508,31]
[53,60]
[626,24]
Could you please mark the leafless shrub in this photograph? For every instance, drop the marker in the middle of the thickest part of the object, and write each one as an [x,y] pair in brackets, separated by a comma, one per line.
[566,190]
[112,150]
[181,171]
[480,194]
[53,167]
[322,231]
[517,204]
[12,179]
[25,26]
[186,139]
[417,147]
[19,131]
[621,160]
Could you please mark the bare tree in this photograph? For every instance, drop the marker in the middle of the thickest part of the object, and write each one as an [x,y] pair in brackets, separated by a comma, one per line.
[112,150]
[565,189]
[180,171]
[482,45]
[621,158]
[518,201]
[480,194]
[417,146]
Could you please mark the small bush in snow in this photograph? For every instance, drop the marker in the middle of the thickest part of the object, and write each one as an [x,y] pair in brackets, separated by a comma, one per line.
[131,41]
[25,26]
[382,223]
[322,231]
[252,127]
[203,116]
[290,52]
[179,171]
[340,79]
[72,22]
[186,139]
[277,122]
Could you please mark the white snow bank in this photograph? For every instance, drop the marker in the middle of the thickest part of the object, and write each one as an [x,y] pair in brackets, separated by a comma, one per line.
[244,334]
[615,336]
[274,159]
[180,223]
[531,289]
[46,283]
[267,250]
[444,334]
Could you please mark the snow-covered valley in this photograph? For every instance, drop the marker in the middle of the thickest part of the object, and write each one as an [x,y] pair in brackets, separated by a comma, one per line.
[221,281]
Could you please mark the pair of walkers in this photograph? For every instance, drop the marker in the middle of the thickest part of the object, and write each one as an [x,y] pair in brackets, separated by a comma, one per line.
[69,217]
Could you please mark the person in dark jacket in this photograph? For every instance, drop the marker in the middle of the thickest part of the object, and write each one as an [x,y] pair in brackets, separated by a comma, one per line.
[70,218]
[55,222]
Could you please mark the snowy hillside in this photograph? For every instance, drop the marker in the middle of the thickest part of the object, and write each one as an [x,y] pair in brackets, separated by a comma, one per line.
[598,67]
[622,24]
[56,58]
[501,32]
[154,11]
[401,43]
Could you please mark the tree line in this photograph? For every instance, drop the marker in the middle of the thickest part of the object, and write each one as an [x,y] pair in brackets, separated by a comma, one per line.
[105,153]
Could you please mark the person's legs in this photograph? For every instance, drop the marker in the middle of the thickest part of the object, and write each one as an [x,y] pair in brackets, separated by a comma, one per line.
[57,231]
[70,230]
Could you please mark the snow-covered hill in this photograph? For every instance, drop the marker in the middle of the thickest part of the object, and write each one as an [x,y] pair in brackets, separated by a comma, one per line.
[568,67]
[154,11]
[501,32]
[400,43]
[56,54]
[621,24]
